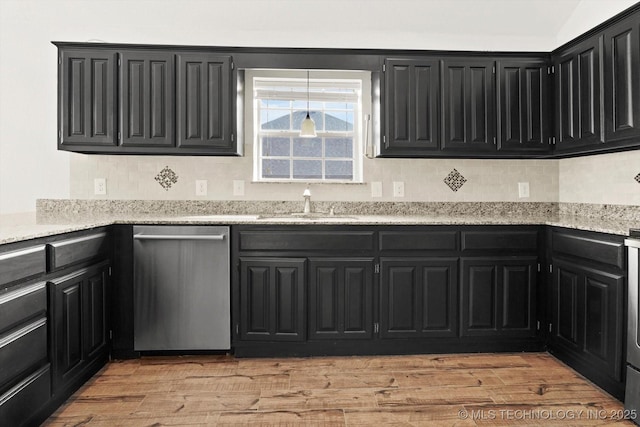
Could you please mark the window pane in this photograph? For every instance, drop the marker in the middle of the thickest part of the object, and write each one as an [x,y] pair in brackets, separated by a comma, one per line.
[272,146]
[275,119]
[275,103]
[307,147]
[338,147]
[275,168]
[299,116]
[307,169]
[339,169]
[339,121]
[338,105]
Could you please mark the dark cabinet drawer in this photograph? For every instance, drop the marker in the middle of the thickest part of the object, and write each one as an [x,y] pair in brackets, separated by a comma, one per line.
[605,251]
[523,240]
[22,304]
[270,240]
[23,348]
[20,403]
[22,264]
[418,240]
[73,251]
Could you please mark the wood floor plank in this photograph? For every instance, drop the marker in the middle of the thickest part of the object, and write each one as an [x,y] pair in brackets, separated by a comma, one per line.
[417,390]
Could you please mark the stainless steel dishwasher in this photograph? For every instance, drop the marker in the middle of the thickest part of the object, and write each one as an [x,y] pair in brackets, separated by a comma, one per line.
[181,288]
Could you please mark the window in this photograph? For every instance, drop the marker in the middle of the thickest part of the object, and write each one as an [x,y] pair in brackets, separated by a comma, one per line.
[280,106]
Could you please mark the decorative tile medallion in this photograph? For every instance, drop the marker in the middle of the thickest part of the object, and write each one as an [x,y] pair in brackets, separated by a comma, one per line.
[455,180]
[637,178]
[166,178]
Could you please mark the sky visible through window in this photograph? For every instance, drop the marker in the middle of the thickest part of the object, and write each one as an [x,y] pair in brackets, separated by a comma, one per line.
[286,156]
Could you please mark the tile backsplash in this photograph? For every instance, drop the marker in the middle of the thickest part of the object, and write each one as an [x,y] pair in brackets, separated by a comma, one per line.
[425,180]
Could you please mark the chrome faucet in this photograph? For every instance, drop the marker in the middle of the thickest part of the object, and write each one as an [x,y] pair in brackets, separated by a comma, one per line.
[307,200]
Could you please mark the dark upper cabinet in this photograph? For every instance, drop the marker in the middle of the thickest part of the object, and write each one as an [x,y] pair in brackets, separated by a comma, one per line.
[412,89]
[203,99]
[523,106]
[340,298]
[272,299]
[578,92]
[498,296]
[468,105]
[147,99]
[419,297]
[87,98]
[622,80]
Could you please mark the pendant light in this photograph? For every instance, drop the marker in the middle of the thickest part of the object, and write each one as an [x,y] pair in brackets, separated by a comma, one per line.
[308,126]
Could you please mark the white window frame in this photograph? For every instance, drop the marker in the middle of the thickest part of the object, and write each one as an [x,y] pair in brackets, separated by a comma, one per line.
[317,79]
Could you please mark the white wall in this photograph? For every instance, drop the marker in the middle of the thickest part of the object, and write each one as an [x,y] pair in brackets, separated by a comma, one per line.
[30,166]
[588,14]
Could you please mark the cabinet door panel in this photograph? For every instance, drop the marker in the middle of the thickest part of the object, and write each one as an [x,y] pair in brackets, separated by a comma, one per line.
[411,107]
[567,305]
[147,99]
[96,314]
[518,296]
[418,297]
[340,298]
[203,92]
[481,291]
[468,105]
[578,95]
[522,106]
[68,324]
[272,299]
[87,96]
[622,88]
[499,295]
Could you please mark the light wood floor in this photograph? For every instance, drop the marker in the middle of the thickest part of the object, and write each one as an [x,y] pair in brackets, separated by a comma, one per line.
[439,390]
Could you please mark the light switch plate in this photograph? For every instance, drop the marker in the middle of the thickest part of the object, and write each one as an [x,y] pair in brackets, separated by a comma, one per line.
[398,189]
[100,186]
[238,187]
[523,190]
[376,189]
[201,187]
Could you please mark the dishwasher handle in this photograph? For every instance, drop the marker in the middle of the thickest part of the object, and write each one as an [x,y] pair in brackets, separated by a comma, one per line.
[178,237]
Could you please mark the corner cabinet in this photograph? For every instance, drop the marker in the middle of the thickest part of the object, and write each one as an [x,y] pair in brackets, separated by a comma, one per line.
[587,294]
[124,100]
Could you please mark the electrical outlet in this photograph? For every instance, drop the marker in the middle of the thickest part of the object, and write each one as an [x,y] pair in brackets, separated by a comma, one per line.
[376,189]
[100,186]
[523,190]
[238,187]
[201,187]
[398,189]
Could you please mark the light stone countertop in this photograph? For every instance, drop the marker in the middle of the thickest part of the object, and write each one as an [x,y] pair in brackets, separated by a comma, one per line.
[15,231]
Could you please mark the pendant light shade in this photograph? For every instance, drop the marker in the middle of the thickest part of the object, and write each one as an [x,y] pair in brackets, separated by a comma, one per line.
[308,126]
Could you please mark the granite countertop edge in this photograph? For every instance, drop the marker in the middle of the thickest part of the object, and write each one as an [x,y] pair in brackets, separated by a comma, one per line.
[22,232]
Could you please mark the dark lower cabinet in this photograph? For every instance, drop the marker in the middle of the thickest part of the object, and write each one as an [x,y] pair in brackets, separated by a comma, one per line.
[418,297]
[79,332]
[498,296]
[272,299]
[340,298]
[587,293]
[588,315]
